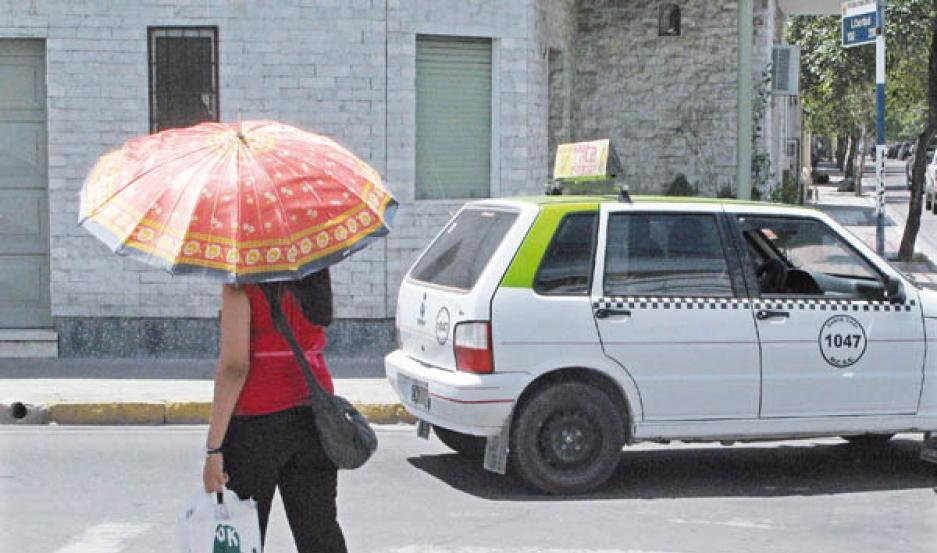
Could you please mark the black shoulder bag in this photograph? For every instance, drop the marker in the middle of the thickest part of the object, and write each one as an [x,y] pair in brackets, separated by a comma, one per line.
[346,437]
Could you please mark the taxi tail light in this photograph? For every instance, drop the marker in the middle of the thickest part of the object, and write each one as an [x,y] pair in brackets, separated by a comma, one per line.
[473,347]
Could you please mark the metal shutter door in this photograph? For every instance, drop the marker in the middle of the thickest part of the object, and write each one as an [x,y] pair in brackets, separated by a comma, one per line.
[453,118]
[24,202]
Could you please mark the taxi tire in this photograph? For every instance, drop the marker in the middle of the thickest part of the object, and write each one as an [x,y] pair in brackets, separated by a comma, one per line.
[530,463]
[869,440]
[463,444]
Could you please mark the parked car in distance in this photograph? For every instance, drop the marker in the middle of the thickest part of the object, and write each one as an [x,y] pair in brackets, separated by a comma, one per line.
[909,164]
[549,332]
[905,150]
[930,183]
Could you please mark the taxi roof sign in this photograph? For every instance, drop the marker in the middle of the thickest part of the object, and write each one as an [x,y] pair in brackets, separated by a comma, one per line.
[586,161]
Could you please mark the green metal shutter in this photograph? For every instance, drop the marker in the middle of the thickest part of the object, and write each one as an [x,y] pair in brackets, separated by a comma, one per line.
[453,117]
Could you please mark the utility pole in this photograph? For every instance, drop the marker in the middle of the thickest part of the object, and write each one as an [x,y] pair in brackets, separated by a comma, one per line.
[743,148]
[880,148]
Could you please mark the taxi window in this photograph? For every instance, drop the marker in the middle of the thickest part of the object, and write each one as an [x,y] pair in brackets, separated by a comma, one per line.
[567,265]
[460,254]
[665,254]
[806,244]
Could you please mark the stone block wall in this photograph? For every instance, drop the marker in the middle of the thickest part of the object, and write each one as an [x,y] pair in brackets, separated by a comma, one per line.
[342,67]
[668,103]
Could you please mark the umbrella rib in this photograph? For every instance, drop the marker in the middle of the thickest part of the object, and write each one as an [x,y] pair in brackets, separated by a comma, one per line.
[136,178]
[313,188]
[217,195]
[185,231]
[276,193]
[319,201]
[353,169]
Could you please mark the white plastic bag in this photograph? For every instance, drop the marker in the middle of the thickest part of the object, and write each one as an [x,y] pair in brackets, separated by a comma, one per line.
[208,525]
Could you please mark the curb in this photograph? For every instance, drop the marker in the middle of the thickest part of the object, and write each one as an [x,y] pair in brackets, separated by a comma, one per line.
[155,413]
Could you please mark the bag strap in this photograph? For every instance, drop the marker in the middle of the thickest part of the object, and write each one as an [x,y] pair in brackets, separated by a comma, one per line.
[283,326]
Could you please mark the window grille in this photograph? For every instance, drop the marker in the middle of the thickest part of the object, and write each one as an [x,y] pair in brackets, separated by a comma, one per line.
[183,66]
[669,20]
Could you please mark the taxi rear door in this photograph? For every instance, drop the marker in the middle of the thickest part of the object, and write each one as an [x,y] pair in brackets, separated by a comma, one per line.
[671,307]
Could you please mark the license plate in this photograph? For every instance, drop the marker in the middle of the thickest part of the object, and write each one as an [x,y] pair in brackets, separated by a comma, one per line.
[419,394]
[929,455]
[929,447]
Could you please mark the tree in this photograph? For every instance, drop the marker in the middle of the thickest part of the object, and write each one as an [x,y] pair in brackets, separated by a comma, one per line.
[834,83]
[906,250]
[837,84]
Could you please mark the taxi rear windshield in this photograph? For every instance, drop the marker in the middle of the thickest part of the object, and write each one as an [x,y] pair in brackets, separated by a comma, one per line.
[460,254]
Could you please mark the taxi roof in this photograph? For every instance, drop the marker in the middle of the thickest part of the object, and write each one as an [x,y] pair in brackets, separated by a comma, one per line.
[580,201]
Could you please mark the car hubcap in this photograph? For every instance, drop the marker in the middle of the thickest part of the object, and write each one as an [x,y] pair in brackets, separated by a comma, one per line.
[569,440]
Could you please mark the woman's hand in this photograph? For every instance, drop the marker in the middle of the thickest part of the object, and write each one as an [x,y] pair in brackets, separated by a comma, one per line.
[213,475]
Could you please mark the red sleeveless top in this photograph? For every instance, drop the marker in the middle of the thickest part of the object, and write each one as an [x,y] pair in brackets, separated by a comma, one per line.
[275,381]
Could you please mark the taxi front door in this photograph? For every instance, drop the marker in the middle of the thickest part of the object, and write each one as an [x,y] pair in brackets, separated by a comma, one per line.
[826,348]
[669,306]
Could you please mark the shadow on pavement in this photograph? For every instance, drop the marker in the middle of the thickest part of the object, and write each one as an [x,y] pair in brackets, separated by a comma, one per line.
[738,471]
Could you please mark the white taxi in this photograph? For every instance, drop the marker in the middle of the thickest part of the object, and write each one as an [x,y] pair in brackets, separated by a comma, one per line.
[550,332]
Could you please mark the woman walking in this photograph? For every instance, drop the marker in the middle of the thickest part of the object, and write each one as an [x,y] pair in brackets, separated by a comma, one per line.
[261,434]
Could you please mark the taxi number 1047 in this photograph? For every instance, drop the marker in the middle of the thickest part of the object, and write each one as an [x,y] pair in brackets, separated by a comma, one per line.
[843,340]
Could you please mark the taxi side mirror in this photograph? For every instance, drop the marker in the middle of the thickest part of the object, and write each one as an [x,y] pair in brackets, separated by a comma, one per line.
[894,291]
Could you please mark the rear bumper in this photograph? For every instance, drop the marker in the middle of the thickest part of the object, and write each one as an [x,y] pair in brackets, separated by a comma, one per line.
[465,402]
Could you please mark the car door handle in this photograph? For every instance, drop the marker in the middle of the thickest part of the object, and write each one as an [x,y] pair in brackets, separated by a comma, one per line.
[765,315]
[606,313]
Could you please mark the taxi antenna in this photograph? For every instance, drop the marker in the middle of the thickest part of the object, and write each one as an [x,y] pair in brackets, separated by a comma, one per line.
[623,195]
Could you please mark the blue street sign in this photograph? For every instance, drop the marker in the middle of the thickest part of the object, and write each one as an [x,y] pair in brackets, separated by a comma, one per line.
[859,29]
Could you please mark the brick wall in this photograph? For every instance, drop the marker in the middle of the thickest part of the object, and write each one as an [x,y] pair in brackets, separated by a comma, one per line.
[347,68]
[508,24]
[342,67]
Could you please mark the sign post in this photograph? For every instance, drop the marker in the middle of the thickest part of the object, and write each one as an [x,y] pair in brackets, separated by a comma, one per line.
[880,147]
[863,22]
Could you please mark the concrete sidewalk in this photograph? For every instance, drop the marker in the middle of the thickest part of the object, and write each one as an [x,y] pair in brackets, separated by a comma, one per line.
[156,391]
[857,214]
[151,401]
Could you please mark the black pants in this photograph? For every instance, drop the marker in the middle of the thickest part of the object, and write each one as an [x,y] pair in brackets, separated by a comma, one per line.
[282,450]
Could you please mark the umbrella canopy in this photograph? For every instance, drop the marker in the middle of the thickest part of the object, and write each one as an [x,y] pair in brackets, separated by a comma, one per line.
[250,202]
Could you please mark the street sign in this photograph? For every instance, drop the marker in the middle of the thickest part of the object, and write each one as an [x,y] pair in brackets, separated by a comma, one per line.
[859,22]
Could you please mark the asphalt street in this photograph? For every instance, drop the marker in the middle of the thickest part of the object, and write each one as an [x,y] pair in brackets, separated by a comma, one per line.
[112,490]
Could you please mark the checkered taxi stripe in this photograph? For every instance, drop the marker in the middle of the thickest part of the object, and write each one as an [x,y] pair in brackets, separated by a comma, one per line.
[652,303]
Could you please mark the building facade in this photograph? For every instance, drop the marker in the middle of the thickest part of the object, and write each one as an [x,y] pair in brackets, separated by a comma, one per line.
[448,99]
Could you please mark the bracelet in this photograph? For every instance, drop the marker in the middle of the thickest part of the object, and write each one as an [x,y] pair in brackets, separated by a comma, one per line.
[213,450]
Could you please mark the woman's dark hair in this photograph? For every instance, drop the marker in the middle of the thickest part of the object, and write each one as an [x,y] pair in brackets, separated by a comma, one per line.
[314,294]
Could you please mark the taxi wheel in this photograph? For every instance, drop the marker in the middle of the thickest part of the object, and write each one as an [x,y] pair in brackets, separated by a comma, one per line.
[465,444]
[869,440]
[567,439]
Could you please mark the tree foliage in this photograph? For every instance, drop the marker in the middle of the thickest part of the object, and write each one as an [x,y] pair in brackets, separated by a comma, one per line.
[838,84]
